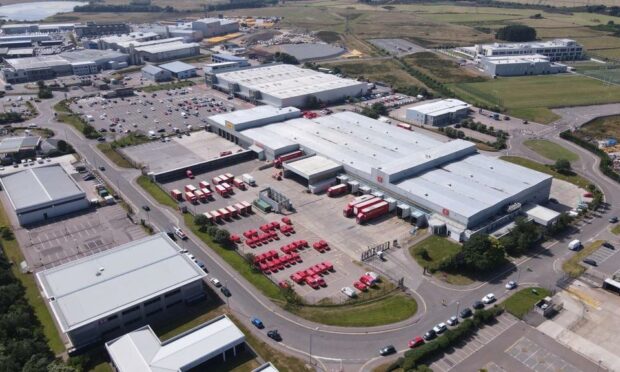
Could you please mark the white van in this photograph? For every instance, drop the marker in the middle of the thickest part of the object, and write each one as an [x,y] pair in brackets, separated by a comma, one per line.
[349,291]
[32,125]
[248,179]
[574,245]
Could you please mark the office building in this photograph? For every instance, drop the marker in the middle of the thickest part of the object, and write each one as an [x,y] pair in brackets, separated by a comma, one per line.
[520,65]
[437,113]
[555,50]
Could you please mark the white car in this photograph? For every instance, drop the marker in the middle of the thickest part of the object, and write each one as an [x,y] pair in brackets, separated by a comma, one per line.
[490,298]
[348,291]
[440,328]
[453,321]
[191,257]
[511,285]
[215,282]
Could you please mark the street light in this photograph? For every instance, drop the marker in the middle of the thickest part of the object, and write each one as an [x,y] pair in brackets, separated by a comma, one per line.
[458,304]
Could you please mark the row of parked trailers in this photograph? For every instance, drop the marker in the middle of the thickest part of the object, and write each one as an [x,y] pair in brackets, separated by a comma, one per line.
[220,215]
[203,192]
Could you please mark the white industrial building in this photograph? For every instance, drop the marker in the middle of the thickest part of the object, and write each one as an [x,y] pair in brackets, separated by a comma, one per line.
[206,27]
[284,85]
[441,112]
[535,64]
[555,50]
[142,351]
[38,194]
[221,58]
[148,47]
[156,74]
[452,181]
[180,70]
[23,28]
[113,292]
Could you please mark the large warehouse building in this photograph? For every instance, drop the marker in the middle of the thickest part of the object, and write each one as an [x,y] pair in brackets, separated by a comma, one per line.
[38,194]
[142,351]
[450,180]
[536,64]
[442,112]
[116,291]
[283,85]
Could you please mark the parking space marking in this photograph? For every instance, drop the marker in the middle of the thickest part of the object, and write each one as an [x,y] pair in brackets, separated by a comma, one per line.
[602,254]
[538,358]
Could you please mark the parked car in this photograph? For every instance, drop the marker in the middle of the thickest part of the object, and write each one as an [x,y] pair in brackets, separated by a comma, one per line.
[511,285]
[490,298]
[466,313]
[202,265]
[258,323]
[191,256]
[608,245]
[589,261]
[440,328]
[146,208]
[225,291]
[417,341]
[431,334]
[387,350]
[178,232]
[613,219]
[275,335]
[215,282]
[477,305]
[453,321]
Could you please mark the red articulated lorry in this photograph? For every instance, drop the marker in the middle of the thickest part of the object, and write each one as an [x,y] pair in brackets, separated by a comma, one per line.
[373,211]
[347,211]
[290,156]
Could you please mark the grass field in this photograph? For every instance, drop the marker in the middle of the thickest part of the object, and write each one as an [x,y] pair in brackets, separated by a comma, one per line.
[611,75]
[168,86]
[551,150]
[388,71]
[156,192]
[442,68]
[521,302]
[603,127]
[438,249]
[574,178]
[615,230]
[573,266]
[539,93]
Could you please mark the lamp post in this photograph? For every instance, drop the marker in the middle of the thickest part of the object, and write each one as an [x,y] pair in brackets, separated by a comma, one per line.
[458,304]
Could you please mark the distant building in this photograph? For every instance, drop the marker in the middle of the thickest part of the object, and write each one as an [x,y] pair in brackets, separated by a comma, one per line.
[24,28]
[16,148]
[142,351]
[536,64]
[221,58]
[93,29]
[180,70]
[107,294]
[555,50]
[156,74]
[442,112]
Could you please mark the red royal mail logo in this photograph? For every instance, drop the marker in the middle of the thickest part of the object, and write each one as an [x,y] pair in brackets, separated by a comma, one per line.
[446,212]
[379,179]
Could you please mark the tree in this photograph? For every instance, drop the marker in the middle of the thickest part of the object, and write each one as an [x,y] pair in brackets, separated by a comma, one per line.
[222,236]
[482,253]
[201,220]
[521,238]
[285,58]
[516,33]
[562,166]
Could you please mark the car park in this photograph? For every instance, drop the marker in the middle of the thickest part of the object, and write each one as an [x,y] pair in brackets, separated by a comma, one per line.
[453,321]
[225,291]
[417,341]
[274,335]
[258,323]
[488,299]
[440,328]
[387,350]
[431,334]
[511,285]
[477,305]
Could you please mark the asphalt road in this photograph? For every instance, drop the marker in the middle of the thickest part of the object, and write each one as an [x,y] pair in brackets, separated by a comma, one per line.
[336,348]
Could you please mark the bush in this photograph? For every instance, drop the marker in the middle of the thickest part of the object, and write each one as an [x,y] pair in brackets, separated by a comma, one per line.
[222,237]
[516,33]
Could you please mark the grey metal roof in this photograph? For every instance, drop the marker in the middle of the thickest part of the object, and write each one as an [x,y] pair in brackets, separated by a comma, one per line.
[177,66]
[166,47]
[313,166]
[153,70]
[96,286]
[440,107]
[229,57]
[142,351]
[40,187]
[305,52]
[15,144]
[256,116]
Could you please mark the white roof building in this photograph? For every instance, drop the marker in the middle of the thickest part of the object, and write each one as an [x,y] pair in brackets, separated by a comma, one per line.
[142,351]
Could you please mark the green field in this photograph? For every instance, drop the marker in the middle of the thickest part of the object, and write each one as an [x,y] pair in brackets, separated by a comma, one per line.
[387,71]
[550,150]
[575,179]
[431,251]
[521,302]
[443,69]
[532,97]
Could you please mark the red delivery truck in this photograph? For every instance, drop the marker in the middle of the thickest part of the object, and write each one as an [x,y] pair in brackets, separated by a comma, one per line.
[189,174]
[221,190]
[290,156]
[233,211]
[209,216]
[404,126]
[239,183]
[240,208]
[371,212]
[358,207]
[176,194]
[217,217]
[248,206]
[216,180]
[228,177]
[190,197]
[200,195]
[347,211]
[204,185]
[208,193]
[226,185]
[225,213]
[190,188]
[337,190]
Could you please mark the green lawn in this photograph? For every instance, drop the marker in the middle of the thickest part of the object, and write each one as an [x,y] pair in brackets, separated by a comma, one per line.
[551,150]
[167,86]
[443,68]
[438,249]
[114,156]
[156,192]
[12,251]
[616,230]
[573,266]
[521,302]
[531,97]
[575,179]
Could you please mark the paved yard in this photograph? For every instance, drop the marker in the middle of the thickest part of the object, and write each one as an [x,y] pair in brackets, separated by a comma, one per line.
[536,358]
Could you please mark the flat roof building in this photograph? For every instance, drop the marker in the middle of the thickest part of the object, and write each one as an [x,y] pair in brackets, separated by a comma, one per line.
[142,351]
[118,290]
[162,52]
[42,193]
[180,70]
[535,64]
[284,85]
[451,180]
[441,112]
[555,50]
[155,73]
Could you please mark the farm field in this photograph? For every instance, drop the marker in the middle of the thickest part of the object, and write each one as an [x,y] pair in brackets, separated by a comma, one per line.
[387,71]
[531,97]
[442,68]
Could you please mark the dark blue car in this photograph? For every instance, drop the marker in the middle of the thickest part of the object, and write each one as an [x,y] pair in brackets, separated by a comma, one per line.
[258,323]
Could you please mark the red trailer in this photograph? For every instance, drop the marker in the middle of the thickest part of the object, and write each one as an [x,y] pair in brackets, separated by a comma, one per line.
[225,213]
[208,193]
[229,177]
[176,194]
[190,197]
[348,209]
[404,126]
[240,208]
[190,188]
[217,216]
[371,212]
[337,190]
[359,207]
[248,206]
[290,156]
[200,195]
[227,186]
[233,211]
[221,190]
[216,180]
[239,183]
[204,185]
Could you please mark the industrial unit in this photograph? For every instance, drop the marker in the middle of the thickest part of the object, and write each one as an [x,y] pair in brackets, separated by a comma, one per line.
[459,186]
[156,74]
[15,148]
[441,112]
[221,58]
[93,29]
[201,28]
[23,28]
[38,194]
[110,293]
[555,50]
[142,351]
[283,85]
[79,62]
[536,64]
[180,70]
[147,47]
